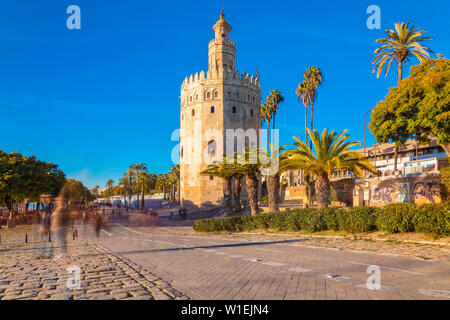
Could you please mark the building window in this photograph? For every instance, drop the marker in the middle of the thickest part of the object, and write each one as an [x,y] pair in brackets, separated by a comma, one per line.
[233,110]
[237,95]
[212,149]
[196,97]
[251,112]
[208,95]
[229,94]
[182,152]
[211,177]
[212,109]
[216,94]
[190,99]
[193,112]
[253,99]
[248,98]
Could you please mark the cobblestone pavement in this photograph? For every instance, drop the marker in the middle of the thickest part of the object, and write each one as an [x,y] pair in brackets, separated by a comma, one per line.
[24,274]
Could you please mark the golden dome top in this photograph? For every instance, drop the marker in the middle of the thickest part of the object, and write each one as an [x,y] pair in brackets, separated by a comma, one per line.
[222,18]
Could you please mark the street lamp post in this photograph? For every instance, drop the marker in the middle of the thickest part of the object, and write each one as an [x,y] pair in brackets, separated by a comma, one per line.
[364,175]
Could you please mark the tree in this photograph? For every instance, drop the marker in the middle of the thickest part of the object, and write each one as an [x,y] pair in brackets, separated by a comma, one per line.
[75,191]
[223,171]
[249,165]
[27,178]
[266,115]
[313,79]
[273,101]
[400,44]
[271,170]
[419,107]
[303,95]
[174,178]
[109,185]
[426,95]
[331,154]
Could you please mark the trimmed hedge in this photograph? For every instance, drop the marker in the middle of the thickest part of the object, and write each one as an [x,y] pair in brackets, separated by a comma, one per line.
[393,218]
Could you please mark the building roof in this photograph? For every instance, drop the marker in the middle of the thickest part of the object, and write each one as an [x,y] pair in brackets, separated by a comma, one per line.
[389,148]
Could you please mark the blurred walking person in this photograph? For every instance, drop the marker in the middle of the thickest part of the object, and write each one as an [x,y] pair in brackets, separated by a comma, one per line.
[60,221]
[44,231]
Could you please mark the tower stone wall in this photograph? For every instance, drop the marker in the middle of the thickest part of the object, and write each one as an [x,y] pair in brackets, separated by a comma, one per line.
[212,103]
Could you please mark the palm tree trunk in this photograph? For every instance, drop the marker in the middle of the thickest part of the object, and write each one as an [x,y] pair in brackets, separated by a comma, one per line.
[143,195]
[251,181]
[306,125]
[323,191]
[395,158]
[268,133]
[237,194]
[227,194]
[273,188]
[400,71]
[312,126]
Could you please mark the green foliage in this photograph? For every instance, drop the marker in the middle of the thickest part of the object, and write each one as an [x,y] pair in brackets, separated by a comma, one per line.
[26,177]
[445,182]
[405,217]
[418,107]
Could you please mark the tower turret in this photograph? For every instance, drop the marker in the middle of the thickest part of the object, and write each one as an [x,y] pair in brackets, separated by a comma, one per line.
[221,49]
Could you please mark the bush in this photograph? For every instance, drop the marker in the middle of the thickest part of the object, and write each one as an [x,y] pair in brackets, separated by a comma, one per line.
[393,218]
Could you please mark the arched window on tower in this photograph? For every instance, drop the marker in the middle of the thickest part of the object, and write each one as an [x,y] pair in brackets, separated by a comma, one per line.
[196,97]
[190,99]
[193,112]
[237,95]
[229,94]
[251,112]
[216,94]
[208,95]
[212,109]
[233,110]
[212,148]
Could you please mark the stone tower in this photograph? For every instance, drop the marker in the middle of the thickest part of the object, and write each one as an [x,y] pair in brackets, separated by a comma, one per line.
[214,105]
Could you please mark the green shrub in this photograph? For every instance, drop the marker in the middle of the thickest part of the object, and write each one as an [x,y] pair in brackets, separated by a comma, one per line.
[433,218]
[356,219]
[394,218]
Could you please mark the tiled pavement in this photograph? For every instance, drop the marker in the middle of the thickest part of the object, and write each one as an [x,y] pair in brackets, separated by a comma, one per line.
[130,263]
[103,275]
[277,267]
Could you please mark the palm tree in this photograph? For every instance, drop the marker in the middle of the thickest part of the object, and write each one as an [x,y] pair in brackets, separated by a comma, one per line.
[313,79]
[224,172]
[174,174]
[249,165]
[273,101]
[400,44]
[266,115]
[303,95]
[237,186]
[109,185]
[332,154]
[272,173]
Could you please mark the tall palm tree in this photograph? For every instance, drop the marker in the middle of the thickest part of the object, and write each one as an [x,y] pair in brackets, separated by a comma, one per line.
[313,79]
[271,170]
[400,44]
[266,115]
[249,164]
[174,175]
[237,186]
[222,171]
[273,101]
[303,95]
[332,154]
[109,185]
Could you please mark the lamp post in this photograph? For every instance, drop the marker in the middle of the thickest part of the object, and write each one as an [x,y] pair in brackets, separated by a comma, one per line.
[364,175]
[365,130]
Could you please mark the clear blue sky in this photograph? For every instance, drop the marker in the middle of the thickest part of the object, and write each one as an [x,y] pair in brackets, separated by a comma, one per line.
[99,99]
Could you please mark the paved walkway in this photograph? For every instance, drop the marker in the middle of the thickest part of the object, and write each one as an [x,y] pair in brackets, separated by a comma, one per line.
[268,267]
[103,275]
[148,263]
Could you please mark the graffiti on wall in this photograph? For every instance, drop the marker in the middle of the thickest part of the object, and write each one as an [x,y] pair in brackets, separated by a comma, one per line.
[394,193]
[429,190]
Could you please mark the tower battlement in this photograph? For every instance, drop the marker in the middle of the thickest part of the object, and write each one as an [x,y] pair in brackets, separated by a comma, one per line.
[243,78]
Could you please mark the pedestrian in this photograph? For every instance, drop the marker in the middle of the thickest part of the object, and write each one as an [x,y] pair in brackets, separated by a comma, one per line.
[60,220]
[44,231]
[98,222]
